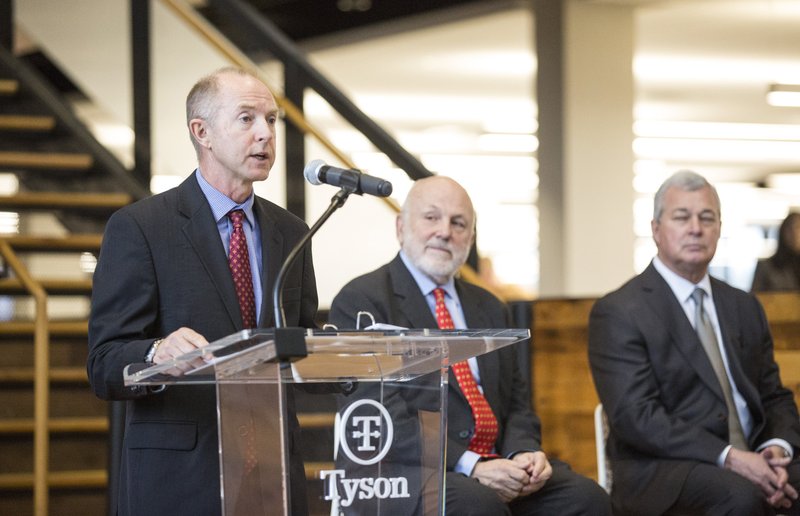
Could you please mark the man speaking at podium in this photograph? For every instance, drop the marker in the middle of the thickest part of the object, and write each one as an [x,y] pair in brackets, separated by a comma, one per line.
[184,268]
[496,467]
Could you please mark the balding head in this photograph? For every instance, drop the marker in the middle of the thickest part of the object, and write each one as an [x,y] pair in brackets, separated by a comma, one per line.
[436,227]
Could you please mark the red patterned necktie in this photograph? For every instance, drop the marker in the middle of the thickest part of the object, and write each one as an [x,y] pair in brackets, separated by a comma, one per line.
[239,262]
[483,440]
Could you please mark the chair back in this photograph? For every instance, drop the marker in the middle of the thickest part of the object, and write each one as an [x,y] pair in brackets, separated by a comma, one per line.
[600,437]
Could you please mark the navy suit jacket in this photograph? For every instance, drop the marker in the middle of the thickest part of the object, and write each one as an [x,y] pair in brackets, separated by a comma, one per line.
[665,407]
[162,266]
[392,296]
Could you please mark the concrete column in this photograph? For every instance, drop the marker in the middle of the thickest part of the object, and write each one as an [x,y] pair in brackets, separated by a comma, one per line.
[586,157]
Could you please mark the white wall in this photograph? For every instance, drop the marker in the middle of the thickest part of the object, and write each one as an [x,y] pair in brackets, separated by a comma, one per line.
[598,191]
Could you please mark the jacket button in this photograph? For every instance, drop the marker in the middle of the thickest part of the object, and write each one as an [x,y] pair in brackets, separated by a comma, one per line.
[463,434]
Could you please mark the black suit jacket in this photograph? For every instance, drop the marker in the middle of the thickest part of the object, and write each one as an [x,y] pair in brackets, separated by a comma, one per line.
[665,407]
[162,266]
[392,296]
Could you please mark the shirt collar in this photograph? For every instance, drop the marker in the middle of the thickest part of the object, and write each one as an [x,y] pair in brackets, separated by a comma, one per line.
[681,287]
[221,204]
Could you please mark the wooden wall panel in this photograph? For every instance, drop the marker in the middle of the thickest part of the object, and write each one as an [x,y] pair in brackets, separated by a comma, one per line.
[563,391]
[564,394]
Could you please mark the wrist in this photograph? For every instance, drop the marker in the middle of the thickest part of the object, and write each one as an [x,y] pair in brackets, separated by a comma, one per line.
[151,351]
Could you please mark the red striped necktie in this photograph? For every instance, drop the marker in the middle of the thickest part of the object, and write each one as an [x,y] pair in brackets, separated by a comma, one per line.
[486,429]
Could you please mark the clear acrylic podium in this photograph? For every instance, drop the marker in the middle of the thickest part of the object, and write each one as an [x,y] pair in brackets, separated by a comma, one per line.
[383,439]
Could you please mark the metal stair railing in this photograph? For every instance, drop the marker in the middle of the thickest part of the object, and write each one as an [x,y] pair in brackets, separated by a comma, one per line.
[65,117]
[246,15]
[41,379]
[285,50]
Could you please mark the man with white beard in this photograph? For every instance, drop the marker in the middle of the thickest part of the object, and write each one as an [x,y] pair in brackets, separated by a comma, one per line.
[493,468]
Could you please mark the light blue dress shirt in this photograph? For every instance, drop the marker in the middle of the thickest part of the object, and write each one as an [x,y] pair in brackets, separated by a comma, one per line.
[221,205]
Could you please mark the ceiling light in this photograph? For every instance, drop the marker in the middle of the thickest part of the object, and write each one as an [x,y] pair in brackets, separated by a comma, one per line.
[9,222]
[716,130]
[784,182]
[512,143]
[685,150]
[787,95]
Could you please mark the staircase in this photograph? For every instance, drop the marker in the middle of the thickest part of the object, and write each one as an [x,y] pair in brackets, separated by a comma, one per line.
[54,433]
[53,430]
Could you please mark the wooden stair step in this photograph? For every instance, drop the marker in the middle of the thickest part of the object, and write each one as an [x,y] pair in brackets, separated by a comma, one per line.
[56,479]
[57,328]
[55,200]
[8,87]
[316,419]
[41,123]
[57,374]
[313,468]
[74,242]
[83,425]
[46,160]
[14,286]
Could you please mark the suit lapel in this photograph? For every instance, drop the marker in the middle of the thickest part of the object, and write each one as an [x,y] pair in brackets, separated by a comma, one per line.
[409,300]
[668,309]
[412,304]
[271,253]
[201,231]
[488,363]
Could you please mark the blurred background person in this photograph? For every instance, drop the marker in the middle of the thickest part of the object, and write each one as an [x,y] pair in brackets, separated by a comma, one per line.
[781,271]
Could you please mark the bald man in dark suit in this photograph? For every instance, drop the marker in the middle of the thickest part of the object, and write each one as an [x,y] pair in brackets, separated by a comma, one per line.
[436,230]
[163,286]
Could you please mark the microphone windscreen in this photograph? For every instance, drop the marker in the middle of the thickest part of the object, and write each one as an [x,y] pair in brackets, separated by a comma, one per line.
[312,171]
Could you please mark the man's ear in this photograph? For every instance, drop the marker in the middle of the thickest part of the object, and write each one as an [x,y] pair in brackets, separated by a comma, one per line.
[398,227]
[199,131]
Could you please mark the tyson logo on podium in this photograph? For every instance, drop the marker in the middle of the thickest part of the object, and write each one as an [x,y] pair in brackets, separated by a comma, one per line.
[365,433]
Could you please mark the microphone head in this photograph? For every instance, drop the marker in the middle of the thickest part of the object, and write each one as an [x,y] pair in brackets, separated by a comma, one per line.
[312,171]
[385,189]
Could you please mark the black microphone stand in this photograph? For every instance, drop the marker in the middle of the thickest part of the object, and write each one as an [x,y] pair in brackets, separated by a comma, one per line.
[290,342]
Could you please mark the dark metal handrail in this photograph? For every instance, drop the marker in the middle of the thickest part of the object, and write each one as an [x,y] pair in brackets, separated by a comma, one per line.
[245,15]
[66,118]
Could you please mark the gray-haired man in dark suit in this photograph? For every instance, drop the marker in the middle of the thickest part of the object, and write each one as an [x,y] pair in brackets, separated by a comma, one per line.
[683,364]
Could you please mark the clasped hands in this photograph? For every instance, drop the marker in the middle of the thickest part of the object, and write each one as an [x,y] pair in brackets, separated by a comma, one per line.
[766,469]
[523,474]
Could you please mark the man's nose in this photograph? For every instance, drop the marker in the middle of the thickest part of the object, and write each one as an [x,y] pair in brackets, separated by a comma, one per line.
[443,229]
[264,131]
[695,224]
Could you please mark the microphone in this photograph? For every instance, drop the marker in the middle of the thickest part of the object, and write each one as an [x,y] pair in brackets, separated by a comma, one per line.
[317,172]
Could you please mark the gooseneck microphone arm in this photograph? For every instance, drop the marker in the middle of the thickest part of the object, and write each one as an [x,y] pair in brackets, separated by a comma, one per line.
[337,201]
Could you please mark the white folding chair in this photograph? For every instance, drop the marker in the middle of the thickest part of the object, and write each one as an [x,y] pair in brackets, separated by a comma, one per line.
[600,436]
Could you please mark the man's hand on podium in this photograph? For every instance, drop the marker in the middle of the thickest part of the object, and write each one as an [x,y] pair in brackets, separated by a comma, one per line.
[177,343]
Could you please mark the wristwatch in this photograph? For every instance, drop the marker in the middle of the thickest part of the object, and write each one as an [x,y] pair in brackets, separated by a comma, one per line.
[151,351]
